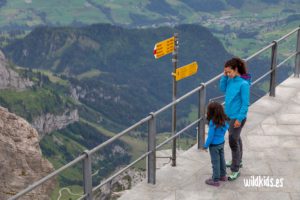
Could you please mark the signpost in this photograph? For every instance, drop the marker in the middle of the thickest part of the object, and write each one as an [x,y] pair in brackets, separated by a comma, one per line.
[186,71]
[164,48]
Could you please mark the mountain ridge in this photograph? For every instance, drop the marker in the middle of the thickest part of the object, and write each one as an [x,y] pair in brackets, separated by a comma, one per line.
[29,14]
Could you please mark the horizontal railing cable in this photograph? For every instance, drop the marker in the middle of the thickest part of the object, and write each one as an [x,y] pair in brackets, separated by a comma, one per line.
[177,100]
[262,77]
[213,79]
[177,134]
[97,148]
[259,52]
[285,60]
[270,71]
[287,35]
[215,98]
[122,170]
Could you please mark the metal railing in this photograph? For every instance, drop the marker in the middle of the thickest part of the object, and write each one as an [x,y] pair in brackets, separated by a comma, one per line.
[86,157]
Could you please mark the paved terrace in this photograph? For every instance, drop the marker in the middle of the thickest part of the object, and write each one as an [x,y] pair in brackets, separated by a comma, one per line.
[271,139]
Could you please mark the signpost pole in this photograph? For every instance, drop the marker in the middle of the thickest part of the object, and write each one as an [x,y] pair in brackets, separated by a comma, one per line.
[161,49]
[174,61]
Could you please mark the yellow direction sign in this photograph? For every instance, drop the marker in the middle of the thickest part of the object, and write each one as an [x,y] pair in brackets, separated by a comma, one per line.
[186,71]
[164,47]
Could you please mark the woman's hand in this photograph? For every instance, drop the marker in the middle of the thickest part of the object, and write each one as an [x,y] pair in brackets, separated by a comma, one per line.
[225,72]
[236,124]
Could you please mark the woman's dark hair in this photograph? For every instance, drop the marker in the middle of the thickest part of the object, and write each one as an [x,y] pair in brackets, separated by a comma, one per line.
[215,112]
[237,63]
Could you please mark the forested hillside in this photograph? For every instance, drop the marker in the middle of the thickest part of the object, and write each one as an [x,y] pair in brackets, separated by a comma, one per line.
[113,70]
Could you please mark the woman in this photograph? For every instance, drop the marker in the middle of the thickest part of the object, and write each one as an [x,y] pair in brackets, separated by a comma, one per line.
[236,84]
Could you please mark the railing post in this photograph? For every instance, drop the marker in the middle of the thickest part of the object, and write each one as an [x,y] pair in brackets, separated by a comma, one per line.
[273,69]
[151,172]
[201,114]
[87,176]
[297,59]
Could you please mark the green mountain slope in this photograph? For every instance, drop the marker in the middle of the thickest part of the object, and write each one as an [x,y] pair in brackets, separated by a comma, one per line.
[125,82]
[44,97]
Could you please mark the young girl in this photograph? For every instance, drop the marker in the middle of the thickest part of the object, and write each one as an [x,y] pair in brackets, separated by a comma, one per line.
[236,84]
[215,142]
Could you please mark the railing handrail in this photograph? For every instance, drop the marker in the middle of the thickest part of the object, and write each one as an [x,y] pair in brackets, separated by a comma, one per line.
[147,119]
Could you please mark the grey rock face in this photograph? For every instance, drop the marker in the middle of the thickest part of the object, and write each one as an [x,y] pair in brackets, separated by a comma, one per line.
[21,161]
[47,123]
[9,79]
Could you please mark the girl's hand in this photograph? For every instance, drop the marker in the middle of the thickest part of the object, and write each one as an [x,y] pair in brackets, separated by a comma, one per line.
[237,124]
[202,149]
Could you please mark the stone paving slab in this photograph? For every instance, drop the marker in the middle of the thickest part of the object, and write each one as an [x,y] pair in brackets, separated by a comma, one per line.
[271,139]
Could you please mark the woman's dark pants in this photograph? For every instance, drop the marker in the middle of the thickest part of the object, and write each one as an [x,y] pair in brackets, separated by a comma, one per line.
[236,145]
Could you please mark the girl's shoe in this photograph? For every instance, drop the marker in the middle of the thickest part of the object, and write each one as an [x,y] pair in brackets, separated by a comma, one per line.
[212,182]
[233,176]
[223,178]
[228,164]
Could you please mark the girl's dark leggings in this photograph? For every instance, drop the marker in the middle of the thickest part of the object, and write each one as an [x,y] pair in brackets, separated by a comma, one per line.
[236,145]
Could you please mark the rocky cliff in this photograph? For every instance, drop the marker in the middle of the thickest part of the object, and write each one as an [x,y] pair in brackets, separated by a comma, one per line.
[21,161]
[49,122]
[9,79]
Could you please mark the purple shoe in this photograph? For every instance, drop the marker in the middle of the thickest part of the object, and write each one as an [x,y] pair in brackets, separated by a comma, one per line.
[212,182]
[223,178]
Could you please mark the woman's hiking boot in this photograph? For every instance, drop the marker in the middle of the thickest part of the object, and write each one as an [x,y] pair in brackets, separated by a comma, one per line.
[233,176]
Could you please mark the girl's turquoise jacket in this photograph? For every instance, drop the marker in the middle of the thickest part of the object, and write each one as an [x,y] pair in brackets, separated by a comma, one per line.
[237,91]
[215,134]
